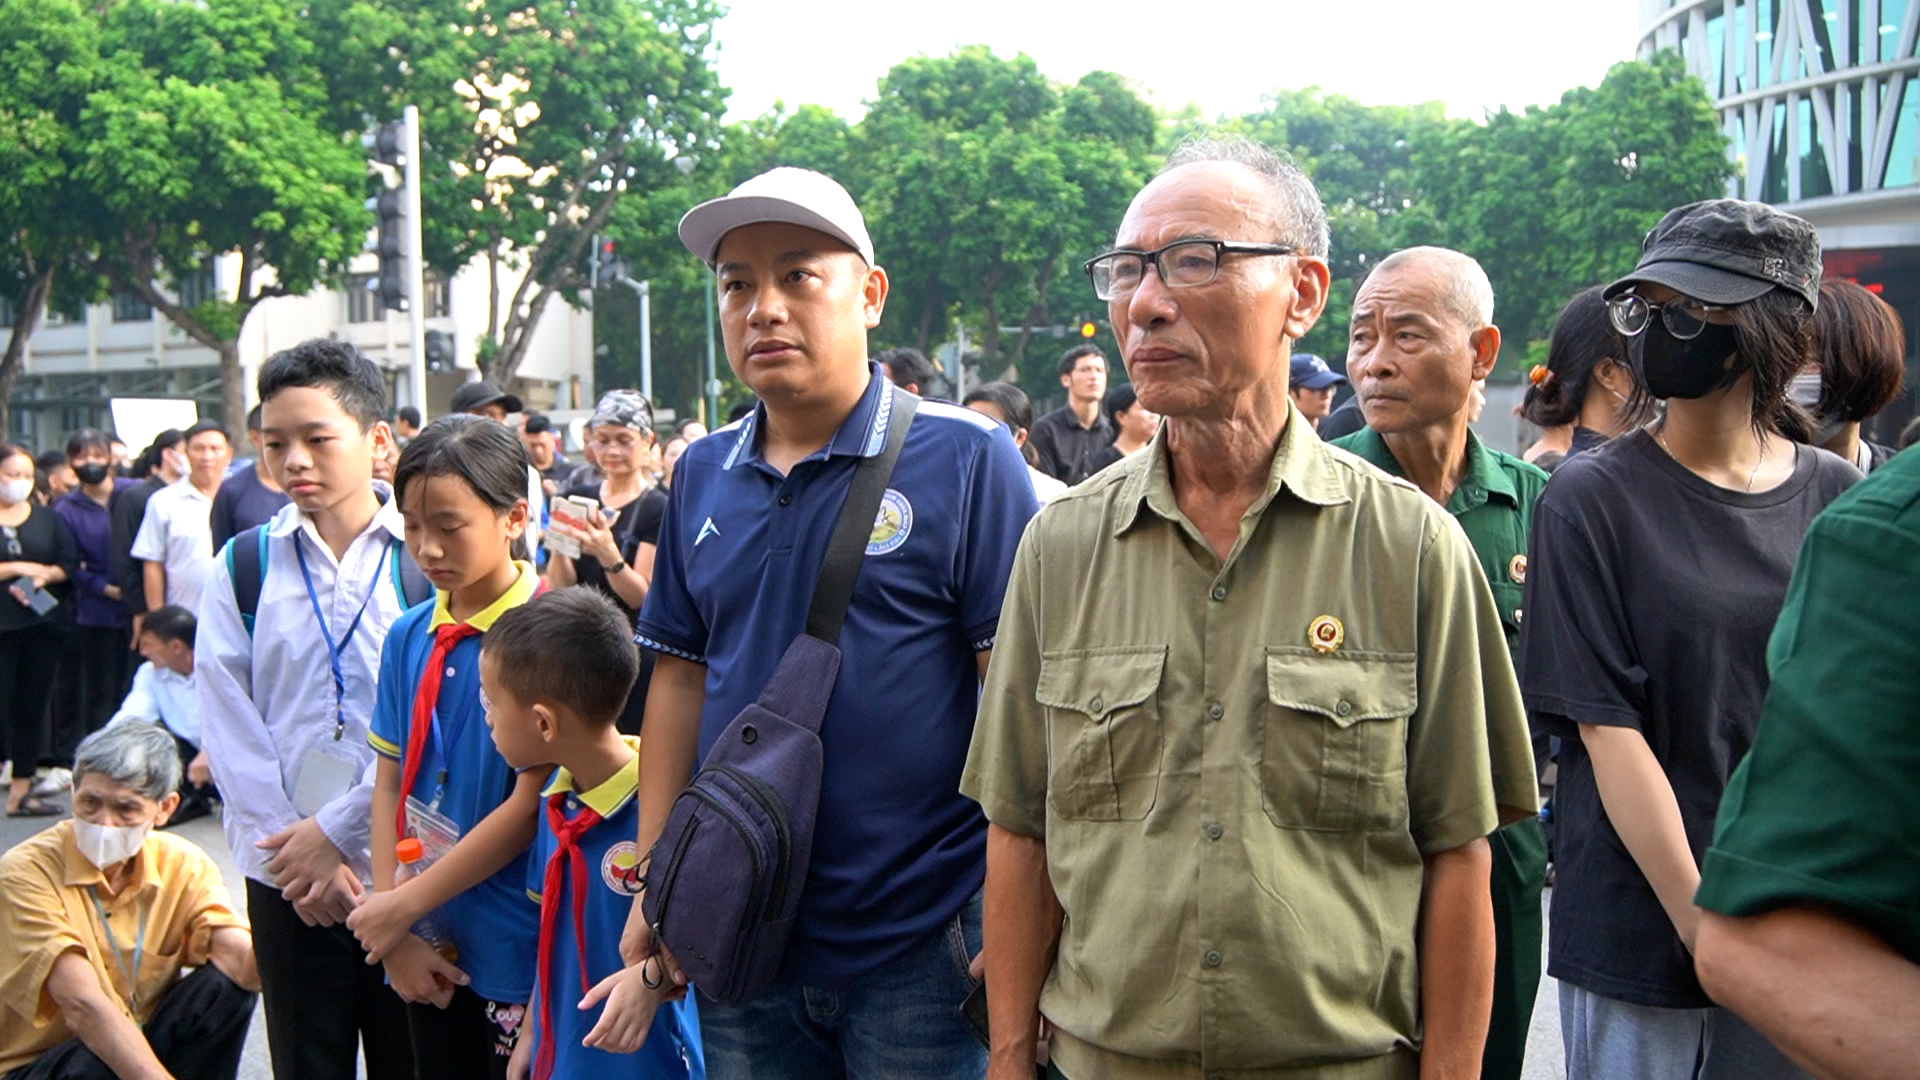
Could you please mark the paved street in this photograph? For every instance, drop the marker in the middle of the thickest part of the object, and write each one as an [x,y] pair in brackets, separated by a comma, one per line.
[1543,1055]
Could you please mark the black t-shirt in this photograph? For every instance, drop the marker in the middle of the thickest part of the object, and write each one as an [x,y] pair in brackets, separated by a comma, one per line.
[637,523]
[1650,595]
[42,538]
[1585,439]
[125,513]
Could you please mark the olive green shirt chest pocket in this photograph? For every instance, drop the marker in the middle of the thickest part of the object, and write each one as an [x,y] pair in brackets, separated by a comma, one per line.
[1104,735]
[1334,749]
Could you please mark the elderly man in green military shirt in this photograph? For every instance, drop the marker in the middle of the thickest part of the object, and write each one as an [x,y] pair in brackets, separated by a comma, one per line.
[1249,719]
[1420,338]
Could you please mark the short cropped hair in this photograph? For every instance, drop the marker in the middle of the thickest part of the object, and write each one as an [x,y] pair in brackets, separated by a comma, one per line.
[1467,293]
[908,367]
[1071,358]
[407,414]
[171,623]
[333,366]
[1863,351]
[537,424]
[1119,399]
[87,439]
[1013,403]
[1299,217]
[253,419]
[141,755]
[205,426]
[48,460]
[569,647]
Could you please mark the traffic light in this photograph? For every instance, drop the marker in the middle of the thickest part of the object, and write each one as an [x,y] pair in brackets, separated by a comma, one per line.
[439,351]
[1087,329]
[390,284]
[604,265]
[389,143]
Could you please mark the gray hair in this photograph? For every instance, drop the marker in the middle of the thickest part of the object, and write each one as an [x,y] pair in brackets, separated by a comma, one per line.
[1465,288]
[1299,218]
[137,753]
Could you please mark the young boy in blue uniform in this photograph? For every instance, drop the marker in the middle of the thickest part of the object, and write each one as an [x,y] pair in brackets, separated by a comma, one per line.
[555,673]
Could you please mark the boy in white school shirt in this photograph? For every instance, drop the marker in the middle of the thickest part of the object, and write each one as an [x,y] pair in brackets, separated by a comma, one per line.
[284,707]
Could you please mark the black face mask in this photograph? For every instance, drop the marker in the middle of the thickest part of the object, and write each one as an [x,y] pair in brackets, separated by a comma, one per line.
[1671,368]
[90,473]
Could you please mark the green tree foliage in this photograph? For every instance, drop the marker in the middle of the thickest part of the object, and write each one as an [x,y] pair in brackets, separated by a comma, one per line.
[537,117]
[1555,199]
[48,59]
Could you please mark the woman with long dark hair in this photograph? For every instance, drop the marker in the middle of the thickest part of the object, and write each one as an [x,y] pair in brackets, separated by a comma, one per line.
[37,562]
[1659,562]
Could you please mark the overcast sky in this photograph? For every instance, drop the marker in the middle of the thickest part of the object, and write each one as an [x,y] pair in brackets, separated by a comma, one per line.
[1473,55]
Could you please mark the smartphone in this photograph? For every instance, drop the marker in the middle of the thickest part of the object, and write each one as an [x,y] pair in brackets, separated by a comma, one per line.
[974,1010]
[40,600]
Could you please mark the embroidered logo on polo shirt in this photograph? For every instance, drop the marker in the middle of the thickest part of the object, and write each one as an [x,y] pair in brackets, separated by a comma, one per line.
[620,868]
[706,530]
[893,525]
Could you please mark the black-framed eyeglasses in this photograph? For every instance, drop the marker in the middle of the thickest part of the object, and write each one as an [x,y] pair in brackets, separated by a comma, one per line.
[1182,264]
[1686,318]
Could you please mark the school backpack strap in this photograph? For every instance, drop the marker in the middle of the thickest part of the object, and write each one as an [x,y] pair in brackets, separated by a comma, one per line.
[246,556]
[410,584]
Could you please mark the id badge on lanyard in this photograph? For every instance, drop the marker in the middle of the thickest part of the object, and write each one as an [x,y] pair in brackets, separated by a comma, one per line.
[330,768]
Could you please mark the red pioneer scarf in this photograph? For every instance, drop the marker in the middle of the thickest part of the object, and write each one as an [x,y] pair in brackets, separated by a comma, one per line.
[566,850]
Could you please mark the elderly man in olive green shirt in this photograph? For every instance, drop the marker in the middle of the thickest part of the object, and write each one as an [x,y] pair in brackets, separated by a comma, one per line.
[1249,719]
[1420,340]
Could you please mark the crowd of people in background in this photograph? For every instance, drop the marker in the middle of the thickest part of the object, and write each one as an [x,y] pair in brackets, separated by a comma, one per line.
[1261,706]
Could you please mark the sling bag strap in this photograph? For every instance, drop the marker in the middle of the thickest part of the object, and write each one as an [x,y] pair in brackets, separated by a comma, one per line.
[833,592]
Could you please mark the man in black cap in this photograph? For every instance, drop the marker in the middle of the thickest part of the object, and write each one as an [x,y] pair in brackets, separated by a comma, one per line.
[485,398]
[1311,383]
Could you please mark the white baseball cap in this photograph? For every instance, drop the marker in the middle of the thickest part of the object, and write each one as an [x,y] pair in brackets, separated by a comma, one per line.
[788,195]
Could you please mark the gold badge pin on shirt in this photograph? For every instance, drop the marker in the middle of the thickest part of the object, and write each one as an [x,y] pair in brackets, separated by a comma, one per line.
[1517,569]
[1325,634]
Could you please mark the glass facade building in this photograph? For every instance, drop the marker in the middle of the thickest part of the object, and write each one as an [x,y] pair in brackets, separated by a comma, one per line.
[1820,103]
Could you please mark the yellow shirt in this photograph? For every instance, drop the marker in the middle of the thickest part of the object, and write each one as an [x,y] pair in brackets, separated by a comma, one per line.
[1238,766]
[47,891]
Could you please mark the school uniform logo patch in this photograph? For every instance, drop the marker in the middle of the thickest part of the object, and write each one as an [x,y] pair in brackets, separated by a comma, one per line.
[1326,634]
[620,868]
[893,524]
[1517,569]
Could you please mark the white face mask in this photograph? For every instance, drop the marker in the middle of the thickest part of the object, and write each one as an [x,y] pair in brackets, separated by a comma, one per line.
[15,492]
[109,845]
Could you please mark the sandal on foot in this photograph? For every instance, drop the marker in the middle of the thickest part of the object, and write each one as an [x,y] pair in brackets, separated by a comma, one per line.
[35,806]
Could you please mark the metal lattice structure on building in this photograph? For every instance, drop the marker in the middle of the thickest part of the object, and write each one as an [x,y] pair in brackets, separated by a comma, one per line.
[1818,98]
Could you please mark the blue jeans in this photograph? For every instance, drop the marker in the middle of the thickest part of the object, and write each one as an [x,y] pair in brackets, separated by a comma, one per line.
[900,1022]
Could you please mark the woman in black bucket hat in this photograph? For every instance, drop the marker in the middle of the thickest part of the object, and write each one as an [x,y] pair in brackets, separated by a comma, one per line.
[1658,565]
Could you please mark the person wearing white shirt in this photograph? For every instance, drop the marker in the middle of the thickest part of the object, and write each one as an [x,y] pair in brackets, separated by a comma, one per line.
[284,706]
[176,535]
[163,693]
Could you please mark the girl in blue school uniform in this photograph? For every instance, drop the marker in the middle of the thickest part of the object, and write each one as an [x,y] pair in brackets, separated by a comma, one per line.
[461,486]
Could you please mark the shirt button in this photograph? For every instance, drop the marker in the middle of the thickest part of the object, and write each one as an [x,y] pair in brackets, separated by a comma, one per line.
[1214,831]
[449,673]
[1215,711]
[786,500]
[1219,592]
[1516,615]
[1342,708]
[1212,959]
[1097,705]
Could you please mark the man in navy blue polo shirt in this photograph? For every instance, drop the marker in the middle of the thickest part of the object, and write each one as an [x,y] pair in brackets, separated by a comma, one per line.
[877,967]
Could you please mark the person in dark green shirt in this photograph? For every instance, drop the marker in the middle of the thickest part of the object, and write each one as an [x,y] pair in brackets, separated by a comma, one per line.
[1811,890]
[1422,332]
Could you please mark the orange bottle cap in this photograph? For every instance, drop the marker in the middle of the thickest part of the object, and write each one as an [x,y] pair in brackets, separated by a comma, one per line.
[410,850]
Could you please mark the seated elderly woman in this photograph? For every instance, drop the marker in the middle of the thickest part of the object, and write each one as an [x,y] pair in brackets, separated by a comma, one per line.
[101,913]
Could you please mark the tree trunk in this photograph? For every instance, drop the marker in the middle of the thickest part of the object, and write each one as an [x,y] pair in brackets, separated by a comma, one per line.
[493,295]
[233,388]
[924,332]
[25,320]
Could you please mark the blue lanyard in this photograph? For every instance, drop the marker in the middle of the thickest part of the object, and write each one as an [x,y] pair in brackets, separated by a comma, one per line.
[335,648]
[139,948]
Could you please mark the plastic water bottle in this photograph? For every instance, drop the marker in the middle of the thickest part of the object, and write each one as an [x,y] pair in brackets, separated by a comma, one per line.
[414,862]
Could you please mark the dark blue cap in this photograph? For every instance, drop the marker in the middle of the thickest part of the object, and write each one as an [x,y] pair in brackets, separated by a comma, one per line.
[1312,372]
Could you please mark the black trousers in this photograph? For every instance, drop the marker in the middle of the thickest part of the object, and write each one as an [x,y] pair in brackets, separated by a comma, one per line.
[198,1031]
[29,660]
[90,688]
[471,1039]
[324,1002]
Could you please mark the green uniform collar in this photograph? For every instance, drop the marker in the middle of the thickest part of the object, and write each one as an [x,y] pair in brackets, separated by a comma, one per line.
[1301,464]
[1484,478]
